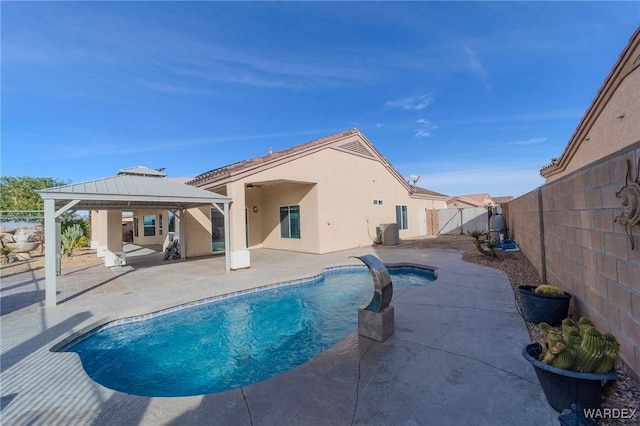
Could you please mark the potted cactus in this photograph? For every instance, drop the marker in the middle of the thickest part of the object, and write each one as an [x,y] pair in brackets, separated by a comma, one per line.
[572,364]
[544,303]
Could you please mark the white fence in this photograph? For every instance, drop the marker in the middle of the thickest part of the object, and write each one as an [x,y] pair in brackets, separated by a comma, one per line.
[460,221]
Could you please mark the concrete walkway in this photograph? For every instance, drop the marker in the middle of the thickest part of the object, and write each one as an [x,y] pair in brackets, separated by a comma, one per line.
[454,358]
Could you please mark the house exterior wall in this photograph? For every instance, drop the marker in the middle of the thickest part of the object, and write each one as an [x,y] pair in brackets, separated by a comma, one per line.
[336,202]
[335,191]
[617,126]
[567,230]
[612,121]
[160,234]
[197,242]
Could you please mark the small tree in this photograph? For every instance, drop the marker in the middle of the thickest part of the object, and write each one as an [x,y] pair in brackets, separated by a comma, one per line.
[19,193]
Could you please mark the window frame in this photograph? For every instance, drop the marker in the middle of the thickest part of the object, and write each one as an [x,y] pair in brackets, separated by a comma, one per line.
[288,227]
[151,227]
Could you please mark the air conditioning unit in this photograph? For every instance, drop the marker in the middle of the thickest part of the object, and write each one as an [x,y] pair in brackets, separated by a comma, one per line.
[390,234]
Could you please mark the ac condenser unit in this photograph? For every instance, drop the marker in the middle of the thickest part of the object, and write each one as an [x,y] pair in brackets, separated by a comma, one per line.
[390,234]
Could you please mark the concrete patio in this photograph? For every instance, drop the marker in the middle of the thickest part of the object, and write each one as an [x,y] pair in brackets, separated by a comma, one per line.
[454,358]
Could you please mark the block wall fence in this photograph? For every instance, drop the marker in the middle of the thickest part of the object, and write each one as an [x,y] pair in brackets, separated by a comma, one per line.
[566,230]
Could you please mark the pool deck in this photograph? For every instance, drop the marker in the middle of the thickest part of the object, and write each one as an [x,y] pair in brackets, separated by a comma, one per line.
[454,359]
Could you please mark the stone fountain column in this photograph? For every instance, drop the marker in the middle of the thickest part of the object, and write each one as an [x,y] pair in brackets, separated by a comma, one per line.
[376,320]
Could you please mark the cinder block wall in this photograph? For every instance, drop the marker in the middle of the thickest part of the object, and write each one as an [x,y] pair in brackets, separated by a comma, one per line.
[523,221]
[584,252]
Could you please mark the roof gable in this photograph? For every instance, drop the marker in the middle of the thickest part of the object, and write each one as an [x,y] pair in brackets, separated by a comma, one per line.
[351,141]
[627,63]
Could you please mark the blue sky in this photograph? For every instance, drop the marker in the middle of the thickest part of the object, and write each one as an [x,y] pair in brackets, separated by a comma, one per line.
[473,96]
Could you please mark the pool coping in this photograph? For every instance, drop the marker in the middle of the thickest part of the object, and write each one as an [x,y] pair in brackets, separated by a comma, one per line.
[109,321]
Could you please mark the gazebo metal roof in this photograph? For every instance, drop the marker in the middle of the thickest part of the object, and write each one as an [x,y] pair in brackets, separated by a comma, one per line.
[128,191]
[131,189]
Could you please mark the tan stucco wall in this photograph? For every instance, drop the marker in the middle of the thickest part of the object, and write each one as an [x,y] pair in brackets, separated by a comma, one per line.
[158,238]
[335,191]
[616,127]
[198,230]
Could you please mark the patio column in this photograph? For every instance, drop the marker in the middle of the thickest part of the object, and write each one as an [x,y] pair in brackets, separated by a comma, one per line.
[182,233]
[52,247]
[50,259]
[225,214]
[239,254]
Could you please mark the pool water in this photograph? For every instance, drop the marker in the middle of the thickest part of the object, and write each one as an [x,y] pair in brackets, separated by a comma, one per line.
[233,342]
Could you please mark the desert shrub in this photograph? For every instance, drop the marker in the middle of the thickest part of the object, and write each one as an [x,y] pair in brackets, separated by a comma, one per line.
[82,242]
[70,238]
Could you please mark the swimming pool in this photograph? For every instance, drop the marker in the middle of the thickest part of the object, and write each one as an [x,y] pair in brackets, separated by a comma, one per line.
[232,342]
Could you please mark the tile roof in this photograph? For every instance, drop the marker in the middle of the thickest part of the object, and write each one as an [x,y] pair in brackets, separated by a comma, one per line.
[220,174]
[425,191]
[232,169]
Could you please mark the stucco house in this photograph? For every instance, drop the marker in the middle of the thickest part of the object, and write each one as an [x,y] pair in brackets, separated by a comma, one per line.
[326,195]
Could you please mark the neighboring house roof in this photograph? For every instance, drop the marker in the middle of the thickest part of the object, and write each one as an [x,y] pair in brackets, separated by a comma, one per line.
[628,61]
[502,199]
[479,200]
[465,200]
[343,141]
[131,191]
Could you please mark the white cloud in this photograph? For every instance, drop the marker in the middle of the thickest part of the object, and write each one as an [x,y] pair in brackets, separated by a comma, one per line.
[424,131]
[416,103]
[531,141]
[474,63]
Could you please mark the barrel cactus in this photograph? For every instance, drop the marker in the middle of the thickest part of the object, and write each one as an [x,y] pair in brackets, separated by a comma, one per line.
[579,347]
[548,289]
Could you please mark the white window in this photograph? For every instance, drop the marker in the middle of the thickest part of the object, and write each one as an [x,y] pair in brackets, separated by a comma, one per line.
[149,224]
[290,222]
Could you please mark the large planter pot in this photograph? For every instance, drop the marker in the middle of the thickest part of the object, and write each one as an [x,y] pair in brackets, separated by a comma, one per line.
[538,307]
[565,387]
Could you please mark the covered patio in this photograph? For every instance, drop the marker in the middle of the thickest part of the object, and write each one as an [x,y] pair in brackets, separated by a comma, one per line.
[132,188]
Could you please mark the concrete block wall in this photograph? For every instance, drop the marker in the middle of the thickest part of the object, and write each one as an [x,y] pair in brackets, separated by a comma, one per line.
[525,228]
[583,250]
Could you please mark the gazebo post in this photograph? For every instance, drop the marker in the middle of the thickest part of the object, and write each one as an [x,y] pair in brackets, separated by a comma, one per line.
[227,238]
[50,257]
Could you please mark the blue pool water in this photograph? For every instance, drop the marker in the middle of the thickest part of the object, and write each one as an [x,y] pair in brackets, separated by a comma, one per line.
[235,341]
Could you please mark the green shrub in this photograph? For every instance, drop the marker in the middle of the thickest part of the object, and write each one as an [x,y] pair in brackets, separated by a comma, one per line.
[82,242]
[70,238]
